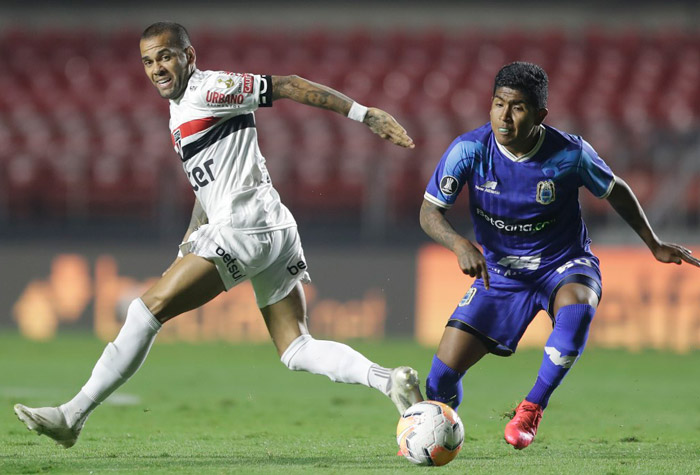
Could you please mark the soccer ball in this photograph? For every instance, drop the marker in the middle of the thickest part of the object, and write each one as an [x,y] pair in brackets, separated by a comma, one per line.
[430,433]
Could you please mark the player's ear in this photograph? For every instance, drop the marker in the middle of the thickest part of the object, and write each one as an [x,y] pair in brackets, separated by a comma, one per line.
[191,54]
[541,114]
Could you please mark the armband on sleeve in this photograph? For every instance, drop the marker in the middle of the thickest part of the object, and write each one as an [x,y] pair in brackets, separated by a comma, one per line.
[265,94]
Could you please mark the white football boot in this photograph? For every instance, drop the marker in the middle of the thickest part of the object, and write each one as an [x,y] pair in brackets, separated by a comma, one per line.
[404,388]
[51,422]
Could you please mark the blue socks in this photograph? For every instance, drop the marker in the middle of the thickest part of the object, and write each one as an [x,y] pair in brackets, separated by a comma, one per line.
[563,348]
[444,384]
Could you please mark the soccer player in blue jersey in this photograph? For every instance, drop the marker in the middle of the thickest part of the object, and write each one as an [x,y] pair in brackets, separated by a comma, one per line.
[522,177]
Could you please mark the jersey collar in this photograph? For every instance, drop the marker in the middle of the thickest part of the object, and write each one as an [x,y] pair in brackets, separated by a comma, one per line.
[529,154]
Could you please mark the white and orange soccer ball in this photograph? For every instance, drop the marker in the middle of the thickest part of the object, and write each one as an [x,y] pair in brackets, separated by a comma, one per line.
[430,433]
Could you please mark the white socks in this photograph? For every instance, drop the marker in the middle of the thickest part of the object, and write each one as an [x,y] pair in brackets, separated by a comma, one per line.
[339,362]
[119,361]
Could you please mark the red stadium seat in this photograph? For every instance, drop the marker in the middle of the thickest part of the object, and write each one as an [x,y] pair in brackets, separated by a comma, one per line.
[625,91]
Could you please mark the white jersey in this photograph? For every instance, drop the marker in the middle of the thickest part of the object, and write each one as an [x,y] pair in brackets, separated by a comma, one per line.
[213,130]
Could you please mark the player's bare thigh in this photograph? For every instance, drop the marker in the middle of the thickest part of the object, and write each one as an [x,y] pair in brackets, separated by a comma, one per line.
[286,319]
[190,283]
[572,294]
[460,350]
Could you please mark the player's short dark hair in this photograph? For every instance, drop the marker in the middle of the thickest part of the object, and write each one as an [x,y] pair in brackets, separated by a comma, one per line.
[176,30]
[528,78]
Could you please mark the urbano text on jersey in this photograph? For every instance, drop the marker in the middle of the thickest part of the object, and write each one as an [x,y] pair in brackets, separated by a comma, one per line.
[216,98]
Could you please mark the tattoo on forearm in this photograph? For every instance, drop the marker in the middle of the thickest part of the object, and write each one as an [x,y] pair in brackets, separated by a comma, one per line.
[437,227]
[310,93]
[316,98]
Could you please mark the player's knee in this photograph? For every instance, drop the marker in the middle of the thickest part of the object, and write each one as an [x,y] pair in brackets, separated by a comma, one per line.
[571,326]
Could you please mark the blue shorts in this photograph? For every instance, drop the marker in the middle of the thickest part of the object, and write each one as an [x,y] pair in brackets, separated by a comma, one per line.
[499,316]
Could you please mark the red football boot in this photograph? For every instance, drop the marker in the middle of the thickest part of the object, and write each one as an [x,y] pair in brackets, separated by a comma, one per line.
[521,430]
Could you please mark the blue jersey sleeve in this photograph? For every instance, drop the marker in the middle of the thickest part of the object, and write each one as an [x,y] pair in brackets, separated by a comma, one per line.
[450,175]
[595,174]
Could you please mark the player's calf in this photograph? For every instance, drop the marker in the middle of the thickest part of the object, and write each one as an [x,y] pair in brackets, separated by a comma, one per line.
[563,348]
[444,384]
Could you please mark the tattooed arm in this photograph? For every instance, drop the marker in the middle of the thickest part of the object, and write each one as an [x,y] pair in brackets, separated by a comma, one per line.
[313,94]
[469,257]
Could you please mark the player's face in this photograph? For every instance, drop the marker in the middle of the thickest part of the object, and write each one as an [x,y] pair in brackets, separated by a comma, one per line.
[166,65]
[515,121]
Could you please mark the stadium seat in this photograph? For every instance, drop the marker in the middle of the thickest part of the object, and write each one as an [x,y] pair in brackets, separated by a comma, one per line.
[91,113]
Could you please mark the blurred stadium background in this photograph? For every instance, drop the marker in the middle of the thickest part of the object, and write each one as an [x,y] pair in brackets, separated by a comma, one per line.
[93,201]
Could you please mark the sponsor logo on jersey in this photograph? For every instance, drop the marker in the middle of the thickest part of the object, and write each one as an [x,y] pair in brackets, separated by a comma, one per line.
[449,185]
[216,98]
[231,263]
[488,186]
[247,87]
[512,226]
[468,297]
[521,262]
[545,192]
[294,269]
[225,83]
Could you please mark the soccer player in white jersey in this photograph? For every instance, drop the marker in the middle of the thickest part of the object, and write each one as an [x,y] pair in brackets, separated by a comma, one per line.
[239,231]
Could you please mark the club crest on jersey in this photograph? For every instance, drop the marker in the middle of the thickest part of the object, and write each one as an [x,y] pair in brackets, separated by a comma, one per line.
[468,297]
[545,192]
[177,141]
[448,185]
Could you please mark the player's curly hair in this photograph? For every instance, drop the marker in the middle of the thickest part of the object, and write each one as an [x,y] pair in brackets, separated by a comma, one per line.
[178,32]
[528,78]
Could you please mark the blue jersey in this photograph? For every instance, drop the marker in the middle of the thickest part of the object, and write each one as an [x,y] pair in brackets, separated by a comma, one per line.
[525,210]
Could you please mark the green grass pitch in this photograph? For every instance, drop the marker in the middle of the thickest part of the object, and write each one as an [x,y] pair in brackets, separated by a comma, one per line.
[222,408]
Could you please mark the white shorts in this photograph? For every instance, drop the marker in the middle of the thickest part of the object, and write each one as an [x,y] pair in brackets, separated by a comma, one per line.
[273,261]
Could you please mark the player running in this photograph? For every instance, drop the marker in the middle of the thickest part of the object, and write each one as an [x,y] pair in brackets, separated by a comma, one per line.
[239,231]
[523,178]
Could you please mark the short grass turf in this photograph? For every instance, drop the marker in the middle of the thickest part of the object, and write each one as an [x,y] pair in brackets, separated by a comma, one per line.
[225,408]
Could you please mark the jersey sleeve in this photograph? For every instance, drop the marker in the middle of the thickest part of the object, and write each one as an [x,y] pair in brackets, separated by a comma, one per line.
[595,174]
[224,92]
[450,175]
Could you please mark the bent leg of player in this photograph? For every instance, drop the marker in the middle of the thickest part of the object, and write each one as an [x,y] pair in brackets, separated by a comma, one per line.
[281,300]
[299,351]
[457,352]
[191,282]
[563,348]
[484,321]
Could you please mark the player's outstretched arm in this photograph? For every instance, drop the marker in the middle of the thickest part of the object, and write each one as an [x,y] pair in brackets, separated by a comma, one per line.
[470,259]
[199,217]
[310,93]
[625,203]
